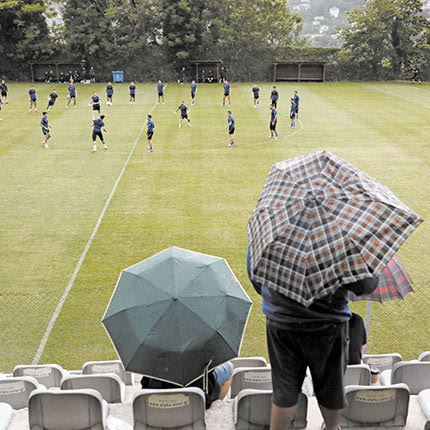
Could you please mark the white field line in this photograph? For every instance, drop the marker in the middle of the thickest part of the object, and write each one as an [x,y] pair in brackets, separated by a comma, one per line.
[84,252]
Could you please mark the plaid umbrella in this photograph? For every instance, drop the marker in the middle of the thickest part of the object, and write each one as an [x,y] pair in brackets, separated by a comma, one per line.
[321,223]
[394,283]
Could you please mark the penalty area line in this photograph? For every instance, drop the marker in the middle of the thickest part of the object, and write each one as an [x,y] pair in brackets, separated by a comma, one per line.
[66,292]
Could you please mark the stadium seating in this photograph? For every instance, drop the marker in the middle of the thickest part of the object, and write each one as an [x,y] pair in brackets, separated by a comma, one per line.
[67,410]
[375,406]
[425,356]
[415,374]
[5,415]
[253,409]
[182,408]
[49,375]
[357,374]
[249,362]
[254,378]
[16,391]
[109,386]
[113,366]
[424,402]
[381,361]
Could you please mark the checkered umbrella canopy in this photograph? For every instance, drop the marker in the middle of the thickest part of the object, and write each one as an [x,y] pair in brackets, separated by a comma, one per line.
[321,223]
[394,283]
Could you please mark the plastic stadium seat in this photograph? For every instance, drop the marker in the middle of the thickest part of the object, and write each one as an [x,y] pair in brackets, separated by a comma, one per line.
[381,361]
[16,391]
[249,362]
[415,374]
[109,386]
[179,409]
[5,415]
[375,406]
[67,410]
[49,375]
[425,356]
[254,378]
[357,374]
[424,402]
[253,409]
[113,366]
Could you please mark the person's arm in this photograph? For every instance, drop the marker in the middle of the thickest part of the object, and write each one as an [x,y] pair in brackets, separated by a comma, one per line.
[104,129]
[257,287]
[363,287]
[274,119]
[228,125]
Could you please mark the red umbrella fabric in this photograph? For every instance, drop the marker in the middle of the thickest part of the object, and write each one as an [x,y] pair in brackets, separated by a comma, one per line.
[394,283]
[321,223]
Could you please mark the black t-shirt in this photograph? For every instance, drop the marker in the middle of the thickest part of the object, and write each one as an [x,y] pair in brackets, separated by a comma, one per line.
[357,338]
[214,388]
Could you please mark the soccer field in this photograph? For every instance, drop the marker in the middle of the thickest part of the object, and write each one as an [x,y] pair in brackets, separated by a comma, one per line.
[71,220]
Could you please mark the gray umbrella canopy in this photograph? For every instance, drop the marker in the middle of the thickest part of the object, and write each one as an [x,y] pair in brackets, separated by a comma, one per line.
[175,313]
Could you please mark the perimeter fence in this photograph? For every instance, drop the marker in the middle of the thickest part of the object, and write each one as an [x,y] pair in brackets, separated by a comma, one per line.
[401,326]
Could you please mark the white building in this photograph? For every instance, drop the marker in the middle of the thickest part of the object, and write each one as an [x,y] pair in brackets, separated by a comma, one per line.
[334,11]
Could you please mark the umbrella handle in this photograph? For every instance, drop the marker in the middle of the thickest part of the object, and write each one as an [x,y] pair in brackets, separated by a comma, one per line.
[206,378]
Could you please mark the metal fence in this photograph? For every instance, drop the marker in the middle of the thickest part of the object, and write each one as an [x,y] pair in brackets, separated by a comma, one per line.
[78,336]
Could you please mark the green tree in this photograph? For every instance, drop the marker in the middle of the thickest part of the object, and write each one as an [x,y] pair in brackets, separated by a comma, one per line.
[24,34]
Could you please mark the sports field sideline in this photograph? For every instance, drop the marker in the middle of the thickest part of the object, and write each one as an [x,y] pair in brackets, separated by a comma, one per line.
[70,218]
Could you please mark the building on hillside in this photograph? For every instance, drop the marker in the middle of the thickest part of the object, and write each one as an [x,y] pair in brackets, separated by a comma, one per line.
[319,18]
[316,23]
[334,11]
[323,29]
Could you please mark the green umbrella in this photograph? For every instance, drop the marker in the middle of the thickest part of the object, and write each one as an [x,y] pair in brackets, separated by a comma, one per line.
[176,314]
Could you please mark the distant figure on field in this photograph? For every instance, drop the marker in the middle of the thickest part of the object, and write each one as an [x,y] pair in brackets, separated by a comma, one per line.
[150,132]
[184,113]
[231,127]
[109,94]
[73,93]
[256,92]
[273,122]
[95,103]
[160,91]
[98,126]
[415,75]
[45,129]
[52,98]
[293,113]
[227,90]
[193,92]
[3,89]
[32,97]
[132,89]
[297,102]
[274,96]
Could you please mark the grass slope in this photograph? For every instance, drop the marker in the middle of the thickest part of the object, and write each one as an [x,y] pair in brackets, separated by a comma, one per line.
[193,192]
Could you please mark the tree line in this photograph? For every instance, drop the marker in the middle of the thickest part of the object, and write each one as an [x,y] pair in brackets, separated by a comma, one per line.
[149,38]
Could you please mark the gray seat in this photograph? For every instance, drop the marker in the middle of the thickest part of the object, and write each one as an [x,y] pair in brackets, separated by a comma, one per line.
[254,378]
[179,409]
[357,374]
[253,410]
[67,410]
[108,385]
[112,366]
[381,361]
[16,391]
[415,374]
[425,356]
[424,402]
[375,406]
[5,415]
[49,375]
[249,362]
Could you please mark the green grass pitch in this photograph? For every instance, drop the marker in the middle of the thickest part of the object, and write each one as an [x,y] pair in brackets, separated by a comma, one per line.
[193,191]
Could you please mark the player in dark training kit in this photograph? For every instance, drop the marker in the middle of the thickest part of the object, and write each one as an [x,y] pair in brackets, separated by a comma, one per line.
[184,113]
[95,103]
[109,94]
[52,98]
[160,92]
[273,122]
[256,92]
[45,129]
[293,113]
[193,91]
[132,89]
[73,93]
[231,127]
[150,132]
[3,89]
[297,102]
[32,98]
[227,90]
[274,96]
[98,126]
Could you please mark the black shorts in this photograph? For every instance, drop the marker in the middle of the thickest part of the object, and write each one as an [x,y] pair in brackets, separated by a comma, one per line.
[132,96]
[45,132]
[231,130]
[272,126]
[149,135]
[99,134]
[226,94]
[72,97]
[193,95]
[4,93]
[321,346]
[109,96]
[160,94]
[184,116]
[33,100]
[293,115]
[96,107]
[297,110]
[51,103]
[275,103]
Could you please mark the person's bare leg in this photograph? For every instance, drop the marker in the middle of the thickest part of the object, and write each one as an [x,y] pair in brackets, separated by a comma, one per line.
[331,418]
[281,417]
[226,386]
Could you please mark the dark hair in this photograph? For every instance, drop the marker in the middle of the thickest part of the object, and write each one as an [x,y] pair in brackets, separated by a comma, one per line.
[229,111]
[44,113]
[149,116]
[102,116]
